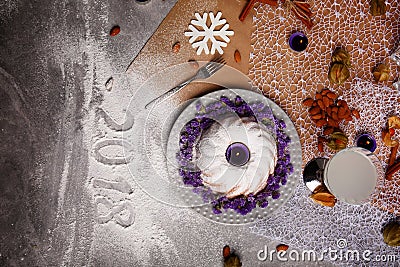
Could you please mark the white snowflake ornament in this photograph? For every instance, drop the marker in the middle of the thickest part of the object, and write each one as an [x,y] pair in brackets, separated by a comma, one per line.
[200,37]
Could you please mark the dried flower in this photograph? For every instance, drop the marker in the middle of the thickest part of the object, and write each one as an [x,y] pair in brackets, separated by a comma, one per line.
[337,141]
[394,122]
[378,7]
[341,56]
[381,73]
[338,73]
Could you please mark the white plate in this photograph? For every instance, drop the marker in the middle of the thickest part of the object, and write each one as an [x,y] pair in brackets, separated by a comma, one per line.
[230,216]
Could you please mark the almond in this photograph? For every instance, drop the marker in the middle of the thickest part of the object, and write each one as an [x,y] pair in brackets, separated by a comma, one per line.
[347,114]
[237,56]
[328,130]
[318,96]
[341,112]
[340,103]
[325,91]
[282,247]
[176,47]
[317,116]
[314,110]
[335,116]
[329,111]
[321,104]
[325,99]
[332,95]
[308,102]
[115,30]
[321,123]
[226,251]
[350,118]
[332,122]
[343,103]
[314,104]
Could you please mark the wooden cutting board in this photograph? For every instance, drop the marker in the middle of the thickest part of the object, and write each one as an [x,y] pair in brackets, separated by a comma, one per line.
[158,55]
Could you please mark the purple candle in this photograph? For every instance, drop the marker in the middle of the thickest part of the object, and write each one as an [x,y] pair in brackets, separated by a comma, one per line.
[366,141]
[298,41]
[237,154]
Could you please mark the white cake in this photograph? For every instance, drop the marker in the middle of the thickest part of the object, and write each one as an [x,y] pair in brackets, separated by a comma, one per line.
[231,180]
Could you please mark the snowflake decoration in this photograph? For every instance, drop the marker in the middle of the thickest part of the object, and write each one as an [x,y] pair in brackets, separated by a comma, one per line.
[200,38]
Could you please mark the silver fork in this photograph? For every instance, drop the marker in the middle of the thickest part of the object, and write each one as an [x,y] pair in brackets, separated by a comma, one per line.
[204,72]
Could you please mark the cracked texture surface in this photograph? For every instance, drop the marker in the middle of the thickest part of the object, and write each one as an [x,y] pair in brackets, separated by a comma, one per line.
[288,77]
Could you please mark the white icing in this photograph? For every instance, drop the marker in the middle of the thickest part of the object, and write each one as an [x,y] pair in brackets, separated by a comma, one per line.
[231,180]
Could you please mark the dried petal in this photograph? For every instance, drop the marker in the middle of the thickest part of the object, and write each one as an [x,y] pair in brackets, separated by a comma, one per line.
[226,251]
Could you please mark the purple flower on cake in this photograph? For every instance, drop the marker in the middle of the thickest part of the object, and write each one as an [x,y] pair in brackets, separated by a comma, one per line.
[204,119]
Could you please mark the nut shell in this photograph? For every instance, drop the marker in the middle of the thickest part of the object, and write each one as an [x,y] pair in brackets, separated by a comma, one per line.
[391,234]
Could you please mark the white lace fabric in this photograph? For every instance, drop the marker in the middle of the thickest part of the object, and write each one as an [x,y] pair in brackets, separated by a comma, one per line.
[288,77]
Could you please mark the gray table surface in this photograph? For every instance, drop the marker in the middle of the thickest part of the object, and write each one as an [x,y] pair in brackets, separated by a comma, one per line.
[55,57]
